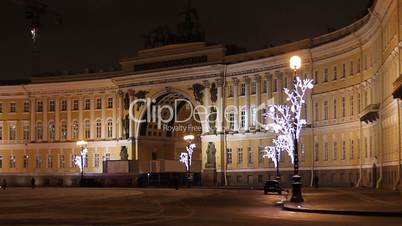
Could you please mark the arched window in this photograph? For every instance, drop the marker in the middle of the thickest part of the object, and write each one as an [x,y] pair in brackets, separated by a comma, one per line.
[63,130]
[98,128]
[109,128]
[51,131]
[87,128]
[75,129]
[39,131]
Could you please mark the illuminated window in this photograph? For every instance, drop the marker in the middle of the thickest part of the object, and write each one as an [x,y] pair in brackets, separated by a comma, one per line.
[75,129]
[109,128]
[325,110]
[39,106]
[49,161]
[61,161]
[87,128]
[64,105]
[63,130]
[239,156]
[107,157]
[316,151]
[250,155]
[12,132]
[96,161]
[25,161]
[334,108]
[13,107]
[325,151]
[52,106]
[52,132]
[26,106]
[343,107]
[243,118]
[352,149]
[110,102]
[99,103]
[229,156]
[12,161]
[335,151]
[38,162]
[75,105]
[98,128]
[242,89]
[87,105]
[253,87]
[343,150]
[352,105]
[39,131]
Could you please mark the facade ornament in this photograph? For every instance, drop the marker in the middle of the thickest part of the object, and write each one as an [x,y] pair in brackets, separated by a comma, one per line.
[213,92]
[198,92]
[211,160]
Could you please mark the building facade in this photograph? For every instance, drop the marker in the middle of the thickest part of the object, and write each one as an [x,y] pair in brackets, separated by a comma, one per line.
[353,137]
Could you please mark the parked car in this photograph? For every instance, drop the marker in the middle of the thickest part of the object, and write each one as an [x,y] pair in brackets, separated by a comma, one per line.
[272,186]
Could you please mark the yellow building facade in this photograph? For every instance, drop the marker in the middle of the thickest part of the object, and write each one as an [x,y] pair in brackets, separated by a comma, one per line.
[353,112]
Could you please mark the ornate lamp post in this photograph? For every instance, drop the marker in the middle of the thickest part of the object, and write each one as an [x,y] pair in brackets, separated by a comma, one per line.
[295,64]
[186,157]
[80,160]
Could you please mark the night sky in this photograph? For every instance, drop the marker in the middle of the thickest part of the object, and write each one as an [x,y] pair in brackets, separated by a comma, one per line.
[97,33]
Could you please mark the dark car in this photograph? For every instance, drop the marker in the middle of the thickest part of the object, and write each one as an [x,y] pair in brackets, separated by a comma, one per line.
[272,186]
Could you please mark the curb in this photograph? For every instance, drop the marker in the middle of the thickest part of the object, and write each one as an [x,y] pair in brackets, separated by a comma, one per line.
[344,212]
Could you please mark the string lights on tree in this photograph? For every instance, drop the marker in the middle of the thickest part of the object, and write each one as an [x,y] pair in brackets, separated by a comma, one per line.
[287,123]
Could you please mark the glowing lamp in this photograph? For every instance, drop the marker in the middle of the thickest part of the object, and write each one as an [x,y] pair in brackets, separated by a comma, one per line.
[189,138]
[295,62]
[81,143]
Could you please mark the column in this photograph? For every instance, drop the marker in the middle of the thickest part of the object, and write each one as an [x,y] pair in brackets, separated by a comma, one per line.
[258,101]
[114,116]
[207,93]
[81,117]
[57,118]
[69,125]
[119,114]
[33,119]
[104,123]
[131,122]
[220,108]
[44,118]
[269,86]
[248,110]
[92,116]
[236,103]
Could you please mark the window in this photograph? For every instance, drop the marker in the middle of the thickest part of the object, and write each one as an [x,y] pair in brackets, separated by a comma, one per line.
[243,118]
[335,151]
[253,87]
[325,110]
[26,134]
[326,75]
[49,161]
[343,150]
[39,131]
[13,107]
[107,157]
[231,121]
[316,77]
[75,129]
[243,89]
[73,162]
[75,105]
[316,111]
[87,127]
[52,132]
[250,155]
[98,128]
[64,105]
[334,108]
[52,106]
[99,103]
[359,103]
[351,68]
[343,70]
[38,162]
[87,104]
[1,161]
[239,156]
[316,152]
[343,107]
[12,132]
[365,148]
[96,162]
[39,106]
[358,66]
[351,105]
[275,85]
[26,106]
[110,102]
[12,161]
[265,86]
[335,72]
[261,153]
[63,130]
[286,82]
[1,107]
[352,149]
[358,148]
[325,151]
[61,161]
[365,62]
[1,132]
[229,156]
[25,161]
[109,128]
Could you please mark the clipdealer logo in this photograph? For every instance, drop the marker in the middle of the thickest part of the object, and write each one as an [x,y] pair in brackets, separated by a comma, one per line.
[164,115]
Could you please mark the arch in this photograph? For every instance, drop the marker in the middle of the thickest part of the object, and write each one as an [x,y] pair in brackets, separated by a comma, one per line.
[162,93]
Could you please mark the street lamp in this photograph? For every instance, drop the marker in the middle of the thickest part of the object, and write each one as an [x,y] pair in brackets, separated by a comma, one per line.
[188,156]
[295,64]
[84,150]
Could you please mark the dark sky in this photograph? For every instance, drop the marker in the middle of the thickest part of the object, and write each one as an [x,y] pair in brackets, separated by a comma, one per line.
[97,33]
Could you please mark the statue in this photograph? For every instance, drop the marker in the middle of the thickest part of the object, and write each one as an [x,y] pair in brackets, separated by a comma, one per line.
[198,92]
[126,101]
[211,160]
[126,125]
[123,153]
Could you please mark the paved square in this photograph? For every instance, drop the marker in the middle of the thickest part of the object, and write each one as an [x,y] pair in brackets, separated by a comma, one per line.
[129,206]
